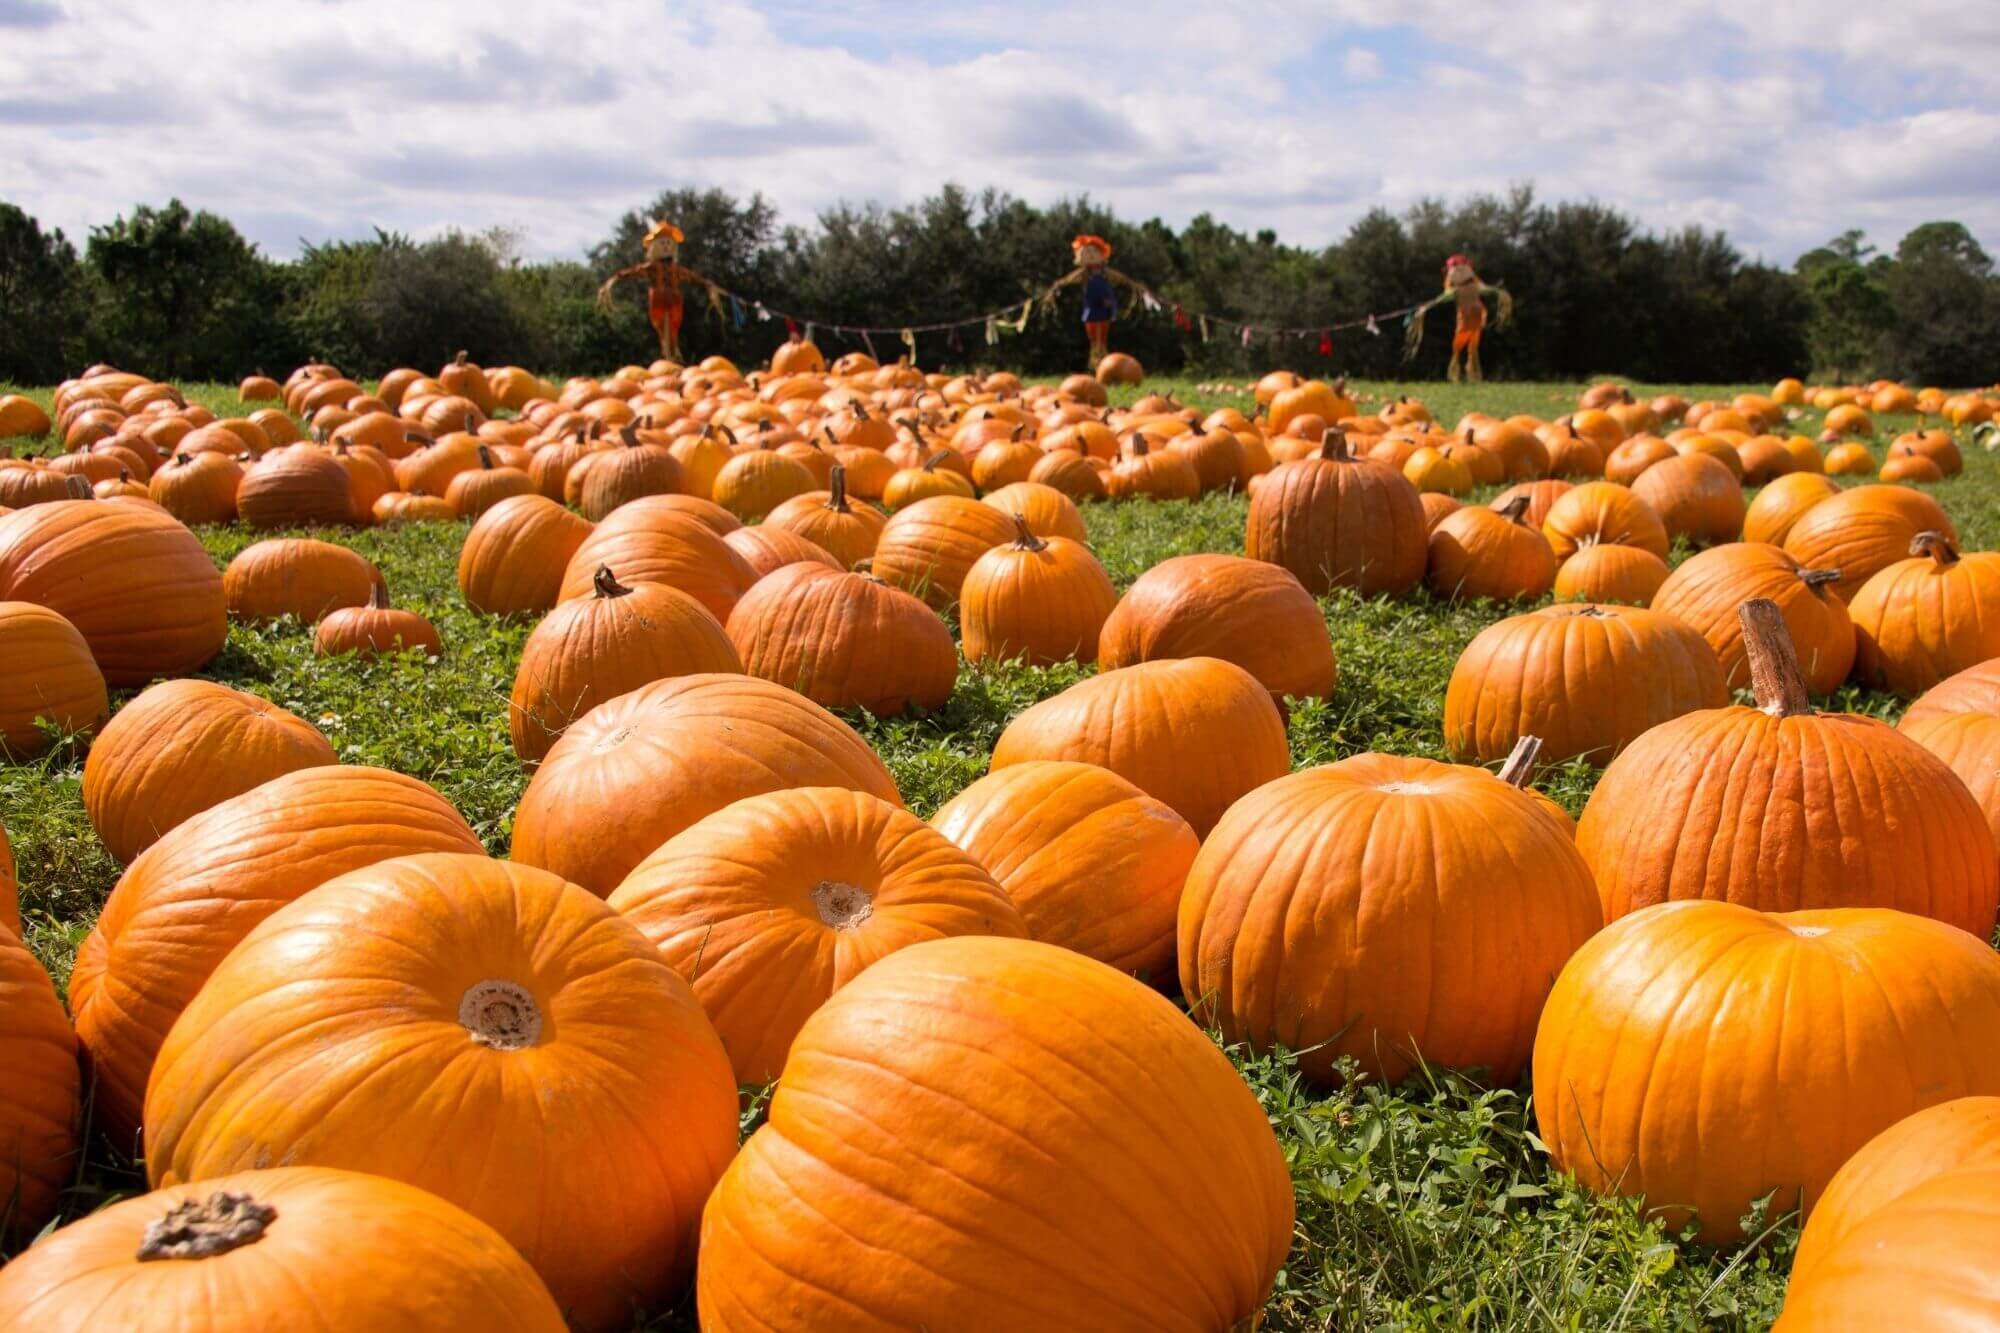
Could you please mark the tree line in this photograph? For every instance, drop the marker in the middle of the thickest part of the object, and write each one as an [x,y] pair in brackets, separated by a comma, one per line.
[181,293]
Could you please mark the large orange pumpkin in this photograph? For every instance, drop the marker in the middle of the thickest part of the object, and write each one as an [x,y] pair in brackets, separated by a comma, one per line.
[948,1148]
[1036,599]
[770,905]
[180,748]
[1686,1052]
[844,640]
[187,900]
[39,1109]
[136,584]
[1863,531]
[1708,592]
[514,556]
[1973,690]
[1387,909]
[1478,552]
[1244,611]
[1782,503]
[827,520]
[1337,521]
[1778,807]
[1195,732]
[639,768]
[652,541]
[928,548]
[1606,513]
[50,680]
[1589,680]
[767,549]
[252,1250]
[298,577]
[463,1010]
[295,487]
[1609,572]
[1928,617]
[197,488]
[1695,496]
[1093,863]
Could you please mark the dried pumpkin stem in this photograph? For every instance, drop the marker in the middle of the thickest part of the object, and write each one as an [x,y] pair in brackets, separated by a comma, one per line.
[1819,578]
[1024,536]
[836,490]
[1333,446]
[1935,545]
[1516,509]
[607,586]
[378,596]
[1775,678]
[201,1229]
[1520,764]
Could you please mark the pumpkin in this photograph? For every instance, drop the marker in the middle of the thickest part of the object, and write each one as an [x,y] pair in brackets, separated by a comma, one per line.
[1708,591]
[1092,862]
[1384,908]
[1072,474]
[297,576]
[121,487]
[136,584]
[1437,508]
[928,548]
[1778,807]
[1863,531]
[478,488]
[1763,459]
[1037,600]
[797,356]
[705,512]
[51,680]
[1851,459]
[1195,732]
[1047,511]
[188,899]
[1153,474]
[826,519]
[1928,617]
[1610,572]
[767,549]
[845,640]
[451,996]
[180,748]
[1224,606]
[1335,521]
[986,1174]
[650,541]
[394,508]
[1478,552]
[1937,446]
[22,417]
[1605,513]
[1004,461]
[936,476]
[755,482]
[621,475]
[1541,496]
[375,629]
[514,555]
[1217,456]
[34,484]
[1973,690]
[238,1252]
[299,486]
[1911,470]
[39,1101]
[1695,496]
[1589,680]
[1309,398]
[1639,1078]
[1781,504]
[641,767]
[772,904]
[467,380]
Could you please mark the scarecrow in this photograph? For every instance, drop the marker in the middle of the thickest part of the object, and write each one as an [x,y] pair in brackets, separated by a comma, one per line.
[1100,299]
[1463,289]
[664,279]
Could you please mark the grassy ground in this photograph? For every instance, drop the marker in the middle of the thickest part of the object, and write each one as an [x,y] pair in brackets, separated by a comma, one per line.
[1426,1206]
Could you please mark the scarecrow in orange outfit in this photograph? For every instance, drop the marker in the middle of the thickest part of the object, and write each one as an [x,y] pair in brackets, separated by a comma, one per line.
[664,279]
[1467,293]
[1100,299]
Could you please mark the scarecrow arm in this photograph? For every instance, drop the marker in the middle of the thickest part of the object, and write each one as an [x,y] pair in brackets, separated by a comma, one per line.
[1502,299]
[1413,324]
[610,284]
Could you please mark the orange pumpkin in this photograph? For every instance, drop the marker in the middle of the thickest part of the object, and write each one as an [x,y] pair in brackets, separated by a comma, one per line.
[1928,617]
[1609,572]
[653,541]
[1480,552]
[641,767]
[514,556]
[1973,690]
[1194,732]
[770,905]
[394,508]
[1639,1063]
[755,482]
[1863,531]
[1588,680]
[1709,590]
[928,548]
[1778,807]
[1319,898]
[299,486]
[1937,446]
[1335,521]
[451,997]
[620,475]
[897,1177]
[51,680]
[767,549]
[238,1251]
[1781,504]
[1038,600]
[478,488]
[1541,497]
[934,477]
[180,748]
[1152,473]
[1850,460]
[1606,513]
[1224,606]
[189,898]
[1695,496]
[197,488]
[828,521]
[1047,511]
[374,629]
[39,1105]
[299,577]
[1069,473]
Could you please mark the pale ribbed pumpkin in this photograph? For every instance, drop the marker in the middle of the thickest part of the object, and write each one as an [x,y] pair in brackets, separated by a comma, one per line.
[1931,616]
[1226,606]
[1854,1019]
[1093,863]
[770,905]
[1384,908]
[39,1108]
[639,768]
[1195,732]
[187,900]
[180,748]
[240,1251]
[1337,521]
[453,1001]
[651,541]
[50,680]
[1034,599]
[1709,590]
[1862,531]
[945,1150]
[1778,807]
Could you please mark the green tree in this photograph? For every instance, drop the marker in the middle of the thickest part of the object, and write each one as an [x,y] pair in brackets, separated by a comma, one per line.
[41,297]
[1848,304]
[1944,302]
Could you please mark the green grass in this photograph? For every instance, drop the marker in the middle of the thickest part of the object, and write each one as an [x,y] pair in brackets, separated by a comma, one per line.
[1426,1206]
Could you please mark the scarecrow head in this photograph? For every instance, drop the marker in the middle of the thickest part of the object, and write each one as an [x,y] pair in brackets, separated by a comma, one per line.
[1091,251]
[663,241]
[1458,272]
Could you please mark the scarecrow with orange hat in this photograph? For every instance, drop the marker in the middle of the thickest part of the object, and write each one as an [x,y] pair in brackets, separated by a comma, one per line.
[1100,298]
[1462,288]
[664,277]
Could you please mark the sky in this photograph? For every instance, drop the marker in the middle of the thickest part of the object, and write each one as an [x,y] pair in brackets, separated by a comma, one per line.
[1783,123]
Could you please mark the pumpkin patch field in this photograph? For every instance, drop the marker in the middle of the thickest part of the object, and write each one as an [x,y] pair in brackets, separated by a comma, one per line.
[826,846]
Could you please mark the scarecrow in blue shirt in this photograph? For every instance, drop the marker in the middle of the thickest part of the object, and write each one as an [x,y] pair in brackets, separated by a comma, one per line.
[1100,298]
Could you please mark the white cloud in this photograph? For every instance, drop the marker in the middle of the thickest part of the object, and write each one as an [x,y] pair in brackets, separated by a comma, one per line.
[1786,126]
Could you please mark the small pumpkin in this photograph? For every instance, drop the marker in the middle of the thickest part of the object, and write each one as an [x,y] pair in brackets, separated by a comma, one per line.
[1151,473]
[1610,572]
[1335,521]
[1605,513]
[51,680]
[1480,552]
[478,488]
[1224,606]
[1928,617]
[1072,474]
[375,629]
[197,488]
[299,577]
[394,508]
[1039,600]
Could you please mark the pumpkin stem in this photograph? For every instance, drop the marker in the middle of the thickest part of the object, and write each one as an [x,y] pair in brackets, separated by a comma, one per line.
[842,906]
[606,585]
[1935,545]
[78,487]
[378,596]
[124,476]
[836,490]
[202,1229]
[500,1015]
[1139,446]
[1775,678]
[1819,578]
[628,436]
[727,434]
[930,464]
[1516,509]
[485,459]
[1024,536]
[1520,764]
[1333,446]
[458,360]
